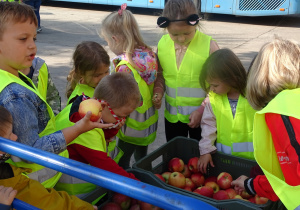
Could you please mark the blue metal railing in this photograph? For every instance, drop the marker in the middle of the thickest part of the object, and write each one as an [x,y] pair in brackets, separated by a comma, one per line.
[117,183]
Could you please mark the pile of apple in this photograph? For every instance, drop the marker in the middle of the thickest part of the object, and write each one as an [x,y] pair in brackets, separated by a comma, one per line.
[187,177]
[124,202]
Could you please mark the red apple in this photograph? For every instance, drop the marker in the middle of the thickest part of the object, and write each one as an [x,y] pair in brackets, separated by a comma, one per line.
[213,185]
[186,172]
[190,183]
[238,197]
[176,165]
[260,200]
[245,195]
[166,176]
[111,206]
[90,105]
[210,179]
[224,180]
[221,195]
[198,179]
[231,192]
[252,200]
[135,207]
[193,164]
[205,191]
[188,189]
[160,177]
[177,180]
[148,206]
[121,200]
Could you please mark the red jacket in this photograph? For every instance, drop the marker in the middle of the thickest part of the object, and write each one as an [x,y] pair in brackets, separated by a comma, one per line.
[287,156]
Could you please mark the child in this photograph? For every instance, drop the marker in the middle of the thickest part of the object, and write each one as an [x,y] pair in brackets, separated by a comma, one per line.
[25,189]
[40,76]
[228,117]
[122,34]
[90,65]
[273,89]
[181,54]
[119,96]
[34,122]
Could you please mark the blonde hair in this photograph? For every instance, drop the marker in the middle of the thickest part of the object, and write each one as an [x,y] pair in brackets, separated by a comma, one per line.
[13,12]
[88,56]
[118,90]
[224,65]
[125,28]
[276,68]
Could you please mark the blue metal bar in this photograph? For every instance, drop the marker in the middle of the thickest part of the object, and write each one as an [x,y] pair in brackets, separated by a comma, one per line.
[117,183]
[21,205]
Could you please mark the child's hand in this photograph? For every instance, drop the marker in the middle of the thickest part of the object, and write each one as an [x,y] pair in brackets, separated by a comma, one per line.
[85,124]
[7,195]
[157,97]
[195,119]
[203,162]
[95,207]
[239,184]
[121,124]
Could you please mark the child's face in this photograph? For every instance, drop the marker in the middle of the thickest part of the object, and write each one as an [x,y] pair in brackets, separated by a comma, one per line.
[121,112]
[93,78]
[17,46]
[9,134]
[218,87]
[114,45]
[181,33]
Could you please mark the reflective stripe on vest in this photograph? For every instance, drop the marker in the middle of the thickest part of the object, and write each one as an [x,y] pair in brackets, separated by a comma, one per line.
[141,125]
[183,91]
[235,135]
[285,103]
[114,151]
[79,89]
[236,147]
[79,188]
[47,177]
[43,81]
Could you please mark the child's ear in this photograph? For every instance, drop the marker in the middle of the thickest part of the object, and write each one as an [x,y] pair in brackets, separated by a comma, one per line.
[103,104]
[116,39]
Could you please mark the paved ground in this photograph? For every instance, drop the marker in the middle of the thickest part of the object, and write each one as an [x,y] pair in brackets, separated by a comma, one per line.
[67,24]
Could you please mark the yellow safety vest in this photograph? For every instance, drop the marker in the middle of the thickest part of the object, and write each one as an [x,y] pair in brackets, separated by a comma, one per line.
[47,177]
[141,125]
[285,103]
[183,91]
[79,89]
[234,135]
[43,81]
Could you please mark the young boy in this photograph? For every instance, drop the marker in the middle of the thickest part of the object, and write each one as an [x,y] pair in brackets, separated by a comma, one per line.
[119,95]
[34,121]
[13,183]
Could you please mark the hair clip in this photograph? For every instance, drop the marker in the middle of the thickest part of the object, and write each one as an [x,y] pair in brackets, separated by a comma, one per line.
[191,20]
[123,7]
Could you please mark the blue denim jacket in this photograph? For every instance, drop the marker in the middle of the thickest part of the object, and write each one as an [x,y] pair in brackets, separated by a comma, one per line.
[30,117]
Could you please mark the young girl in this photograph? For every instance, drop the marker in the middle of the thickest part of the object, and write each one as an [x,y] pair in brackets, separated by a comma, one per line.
[14,183]
[40,76]
[228,117]
[273,88]
[181,54]
[122,34]
[119,95]
[34,121]
[90,65]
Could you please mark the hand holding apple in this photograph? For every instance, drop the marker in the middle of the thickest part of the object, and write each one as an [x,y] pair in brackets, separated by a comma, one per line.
[203,161]
[239,184]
